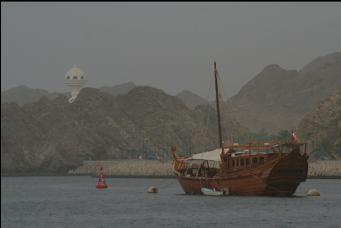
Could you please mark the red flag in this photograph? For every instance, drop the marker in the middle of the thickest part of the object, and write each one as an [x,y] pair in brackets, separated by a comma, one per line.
[293,137]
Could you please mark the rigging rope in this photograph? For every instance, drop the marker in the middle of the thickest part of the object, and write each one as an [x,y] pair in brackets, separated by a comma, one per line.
[208,107]
[204,131]
[222,91]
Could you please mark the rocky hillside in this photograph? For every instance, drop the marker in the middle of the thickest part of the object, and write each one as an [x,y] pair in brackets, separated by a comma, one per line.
[55,136]
[277,99]
[322,128]
[191,99]
[24,95]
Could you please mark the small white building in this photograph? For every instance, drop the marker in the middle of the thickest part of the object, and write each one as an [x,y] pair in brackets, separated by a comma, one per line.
[75,79]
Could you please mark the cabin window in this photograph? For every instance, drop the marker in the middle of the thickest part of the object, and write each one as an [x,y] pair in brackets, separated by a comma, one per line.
[68,77]
[82,77]
[242,162]
[194,172]
[247,161]
[75,77]
[254,160]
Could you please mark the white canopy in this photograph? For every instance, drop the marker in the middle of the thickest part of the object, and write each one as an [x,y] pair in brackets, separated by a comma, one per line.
[210,155]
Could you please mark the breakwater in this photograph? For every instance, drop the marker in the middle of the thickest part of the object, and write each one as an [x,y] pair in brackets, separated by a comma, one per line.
[126,168]
[324,169]
[155,168]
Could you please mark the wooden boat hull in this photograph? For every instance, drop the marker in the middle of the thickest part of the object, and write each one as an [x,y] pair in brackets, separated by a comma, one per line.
[279,177]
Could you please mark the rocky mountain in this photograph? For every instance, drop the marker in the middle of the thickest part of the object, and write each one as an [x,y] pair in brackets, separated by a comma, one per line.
[322,128]
[191,99]
[56,136]
[24,95]
[277,99]
[118,89]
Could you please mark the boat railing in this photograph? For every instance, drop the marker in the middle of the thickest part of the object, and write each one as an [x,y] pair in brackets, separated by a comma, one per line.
[275,147]
[196,163]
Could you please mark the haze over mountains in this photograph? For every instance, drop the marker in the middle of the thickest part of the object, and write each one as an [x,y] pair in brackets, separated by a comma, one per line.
[42,132]
[24,95]
[277,99]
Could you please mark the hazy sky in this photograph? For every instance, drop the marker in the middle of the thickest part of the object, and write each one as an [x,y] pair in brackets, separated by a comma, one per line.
[167,45]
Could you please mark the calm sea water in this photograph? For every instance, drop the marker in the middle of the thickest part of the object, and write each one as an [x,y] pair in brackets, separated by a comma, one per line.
[75,202]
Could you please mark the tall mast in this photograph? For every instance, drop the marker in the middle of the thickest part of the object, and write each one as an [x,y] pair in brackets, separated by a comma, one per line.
[217,102]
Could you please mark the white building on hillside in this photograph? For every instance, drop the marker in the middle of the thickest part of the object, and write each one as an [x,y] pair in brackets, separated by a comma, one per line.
[75,79]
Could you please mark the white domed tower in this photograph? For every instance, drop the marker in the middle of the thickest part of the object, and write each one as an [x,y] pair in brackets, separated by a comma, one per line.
[75,79]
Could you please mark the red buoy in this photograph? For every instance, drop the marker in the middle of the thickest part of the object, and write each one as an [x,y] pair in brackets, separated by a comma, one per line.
[101,181]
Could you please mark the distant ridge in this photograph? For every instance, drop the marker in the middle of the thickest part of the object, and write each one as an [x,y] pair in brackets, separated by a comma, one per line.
[24,95]
[118,89]
[190,99]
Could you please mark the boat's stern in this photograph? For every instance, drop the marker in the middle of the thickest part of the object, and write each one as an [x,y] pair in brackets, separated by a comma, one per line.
[287,174]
